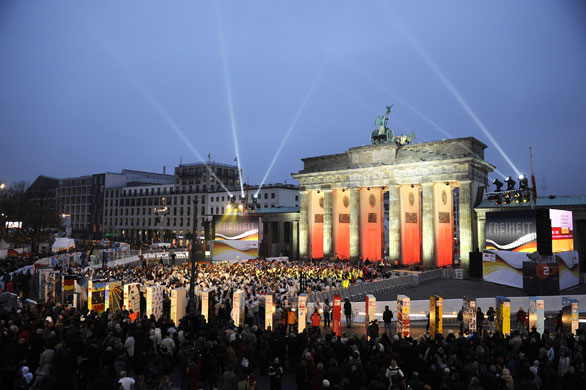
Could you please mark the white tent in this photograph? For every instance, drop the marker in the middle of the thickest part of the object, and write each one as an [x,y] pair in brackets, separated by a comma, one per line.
[61,244]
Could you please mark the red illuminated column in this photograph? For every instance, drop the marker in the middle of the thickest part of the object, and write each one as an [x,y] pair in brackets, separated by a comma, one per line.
[337,315]
[443,224]
[370,312]
[410,202]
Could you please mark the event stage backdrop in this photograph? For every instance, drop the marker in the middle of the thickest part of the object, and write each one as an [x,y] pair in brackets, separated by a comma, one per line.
[235,237]
[546,231]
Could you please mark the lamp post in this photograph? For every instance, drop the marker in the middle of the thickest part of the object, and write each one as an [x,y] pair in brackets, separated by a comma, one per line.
[194,246]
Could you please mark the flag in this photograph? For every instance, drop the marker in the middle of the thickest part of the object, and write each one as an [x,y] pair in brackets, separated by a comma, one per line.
[533,183]
[235,158]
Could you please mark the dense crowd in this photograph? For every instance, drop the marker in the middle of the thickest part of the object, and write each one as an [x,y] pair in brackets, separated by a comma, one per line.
[47,346]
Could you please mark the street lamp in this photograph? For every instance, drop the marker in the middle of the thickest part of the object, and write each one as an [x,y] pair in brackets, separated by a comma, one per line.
[194,245]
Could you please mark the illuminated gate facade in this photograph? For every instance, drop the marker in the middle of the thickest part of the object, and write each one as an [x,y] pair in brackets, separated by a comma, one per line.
[342,201]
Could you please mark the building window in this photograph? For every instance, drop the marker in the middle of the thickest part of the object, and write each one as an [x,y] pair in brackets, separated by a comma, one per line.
[222,210]
[272,195]
[266,195]
[296,198]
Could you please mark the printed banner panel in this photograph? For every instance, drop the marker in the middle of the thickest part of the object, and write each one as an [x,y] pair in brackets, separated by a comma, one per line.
[236,227]
[511,231]
[235,250]
[562,230]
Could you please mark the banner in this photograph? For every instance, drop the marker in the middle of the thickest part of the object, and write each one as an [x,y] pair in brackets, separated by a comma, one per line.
[114,295]
[370,315]
[562,230]
[301,312]
[469,314]
[96,299]
[435,315]
[154,301]
[132,297]
[570,315]
[403,320]
[337,315]
[178,303]
[207,296]
[269,310]
[503,315]
[235,227]
[235,250]
[511,231]
[536,314]
[238,308]
[68,282]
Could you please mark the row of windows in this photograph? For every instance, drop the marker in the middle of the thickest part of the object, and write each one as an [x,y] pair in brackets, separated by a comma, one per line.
[145,211]
[146,221]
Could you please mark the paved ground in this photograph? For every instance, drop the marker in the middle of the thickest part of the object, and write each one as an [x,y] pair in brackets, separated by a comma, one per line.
[453,288]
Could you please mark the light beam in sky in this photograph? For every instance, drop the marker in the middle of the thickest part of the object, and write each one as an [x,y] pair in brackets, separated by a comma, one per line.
[228,87]
[427,59]
[312,86]
[412,108]
[150,98]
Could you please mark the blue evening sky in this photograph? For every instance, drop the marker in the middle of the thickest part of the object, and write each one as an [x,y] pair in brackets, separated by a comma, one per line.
[90,86]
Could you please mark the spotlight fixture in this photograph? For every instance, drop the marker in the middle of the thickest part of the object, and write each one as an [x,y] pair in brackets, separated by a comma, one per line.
[232,198]
[523,182]
[510,183]
[412,185]
[343,190]
[498,184]
[368,188]
[447,183]
[254,198]
[318,191]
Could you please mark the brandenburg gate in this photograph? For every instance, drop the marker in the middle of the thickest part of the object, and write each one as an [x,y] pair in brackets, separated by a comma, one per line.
[342,200]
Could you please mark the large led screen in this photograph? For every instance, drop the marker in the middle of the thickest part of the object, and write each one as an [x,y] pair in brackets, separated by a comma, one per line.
[562,230]
[236,227]
[511,231]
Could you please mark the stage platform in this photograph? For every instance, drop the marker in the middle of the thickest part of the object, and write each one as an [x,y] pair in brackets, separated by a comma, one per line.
[454,288]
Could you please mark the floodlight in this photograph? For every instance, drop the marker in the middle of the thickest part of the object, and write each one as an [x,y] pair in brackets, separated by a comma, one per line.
[498,185]
[510,183]
[523,182]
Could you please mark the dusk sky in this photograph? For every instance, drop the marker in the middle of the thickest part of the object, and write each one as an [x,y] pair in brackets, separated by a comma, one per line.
[92,86]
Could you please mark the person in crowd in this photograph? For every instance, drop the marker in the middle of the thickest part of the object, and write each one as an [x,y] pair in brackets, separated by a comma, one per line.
[490,315]
[348,312]
[276,374]
[47,345]
[388,319]
[315,321]
[327,314]
[479,320]
[521,319]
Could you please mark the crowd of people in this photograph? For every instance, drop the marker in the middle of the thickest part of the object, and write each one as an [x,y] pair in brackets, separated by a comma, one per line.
[49,346]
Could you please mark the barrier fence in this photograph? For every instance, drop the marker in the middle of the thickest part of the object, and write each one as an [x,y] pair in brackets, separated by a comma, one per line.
[398,282]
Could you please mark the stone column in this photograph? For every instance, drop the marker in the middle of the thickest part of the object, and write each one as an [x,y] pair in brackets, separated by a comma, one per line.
[327,224]
[281,236]
[481,218]
[303,225]
[354,224]
[394,224]
[465,222]
[294,242]
[427,226]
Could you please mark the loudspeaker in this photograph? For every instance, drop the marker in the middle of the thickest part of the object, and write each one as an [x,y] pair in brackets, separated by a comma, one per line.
[475,265]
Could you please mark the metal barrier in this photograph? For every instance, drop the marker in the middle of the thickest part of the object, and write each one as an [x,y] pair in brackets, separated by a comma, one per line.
[398,282]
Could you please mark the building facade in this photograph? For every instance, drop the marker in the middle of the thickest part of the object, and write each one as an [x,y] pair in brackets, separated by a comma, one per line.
[167,212]
[342,197]
[81,199]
